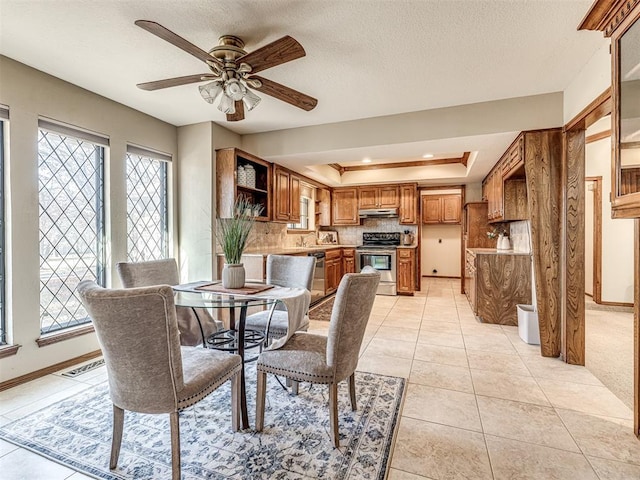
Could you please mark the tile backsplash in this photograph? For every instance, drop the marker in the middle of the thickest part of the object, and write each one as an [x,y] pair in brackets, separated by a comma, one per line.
[520,234]
[352,235]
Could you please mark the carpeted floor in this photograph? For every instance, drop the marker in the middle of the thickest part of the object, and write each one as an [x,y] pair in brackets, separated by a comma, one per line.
[322,311]
[295,443]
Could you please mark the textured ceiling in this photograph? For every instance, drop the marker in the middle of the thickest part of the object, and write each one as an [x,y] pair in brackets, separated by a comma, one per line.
[365,58]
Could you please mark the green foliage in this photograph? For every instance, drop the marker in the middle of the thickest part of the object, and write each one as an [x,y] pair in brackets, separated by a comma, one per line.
[233,233]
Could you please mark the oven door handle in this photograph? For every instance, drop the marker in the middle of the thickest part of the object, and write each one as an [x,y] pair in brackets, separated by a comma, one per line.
[376,252]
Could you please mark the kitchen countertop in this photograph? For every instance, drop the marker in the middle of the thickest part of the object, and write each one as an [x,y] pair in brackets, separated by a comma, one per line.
[495,251]
[294,250]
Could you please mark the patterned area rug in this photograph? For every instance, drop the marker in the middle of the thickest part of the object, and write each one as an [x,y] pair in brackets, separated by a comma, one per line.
[322,311]
[295,443]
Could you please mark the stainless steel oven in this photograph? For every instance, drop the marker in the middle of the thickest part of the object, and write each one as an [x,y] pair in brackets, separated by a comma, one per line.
[383,260]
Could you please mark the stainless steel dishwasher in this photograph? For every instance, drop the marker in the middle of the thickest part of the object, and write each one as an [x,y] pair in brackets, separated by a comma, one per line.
[317,287]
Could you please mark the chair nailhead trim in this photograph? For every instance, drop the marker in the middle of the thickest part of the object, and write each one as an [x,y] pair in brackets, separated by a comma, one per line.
[286,372]
[195,398]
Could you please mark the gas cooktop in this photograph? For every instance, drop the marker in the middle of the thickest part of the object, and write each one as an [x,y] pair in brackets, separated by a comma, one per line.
[380,239]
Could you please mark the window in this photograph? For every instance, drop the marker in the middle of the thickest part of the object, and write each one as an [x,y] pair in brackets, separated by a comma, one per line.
[71,188]
[147,217]
[3,328]
[307,222]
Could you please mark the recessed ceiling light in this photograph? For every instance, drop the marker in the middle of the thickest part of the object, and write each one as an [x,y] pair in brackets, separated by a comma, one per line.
[427,155]
[366,160]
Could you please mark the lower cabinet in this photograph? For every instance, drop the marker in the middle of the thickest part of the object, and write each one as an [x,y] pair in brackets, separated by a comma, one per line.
[348,260]
[496,284]
[333,270]
[405,282]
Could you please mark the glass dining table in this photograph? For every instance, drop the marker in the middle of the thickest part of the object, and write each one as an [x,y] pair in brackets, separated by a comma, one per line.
[233,338]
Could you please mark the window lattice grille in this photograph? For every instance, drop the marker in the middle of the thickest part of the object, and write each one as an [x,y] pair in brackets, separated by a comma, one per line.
[147,222]
[71,215]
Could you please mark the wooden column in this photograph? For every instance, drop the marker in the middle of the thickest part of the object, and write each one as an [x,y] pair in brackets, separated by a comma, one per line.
[636,333]
[573,258]
[543,166]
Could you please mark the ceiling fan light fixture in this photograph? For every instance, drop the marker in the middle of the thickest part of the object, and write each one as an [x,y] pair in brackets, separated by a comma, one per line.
[253,82]
[234,89]
[227,105]
[244,68]
[210,91]
[251,100]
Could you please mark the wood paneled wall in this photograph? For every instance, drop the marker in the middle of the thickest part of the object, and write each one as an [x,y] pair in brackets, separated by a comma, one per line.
[543,166]
[574,217]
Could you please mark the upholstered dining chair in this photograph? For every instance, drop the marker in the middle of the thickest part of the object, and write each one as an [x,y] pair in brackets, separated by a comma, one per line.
[283,271]
[148,370]
[195,324]
[308,357]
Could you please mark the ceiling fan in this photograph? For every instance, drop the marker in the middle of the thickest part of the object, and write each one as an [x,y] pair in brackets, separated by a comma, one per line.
[233,71]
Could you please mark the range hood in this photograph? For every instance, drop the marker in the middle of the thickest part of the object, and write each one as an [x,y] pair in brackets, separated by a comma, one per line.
[378,213]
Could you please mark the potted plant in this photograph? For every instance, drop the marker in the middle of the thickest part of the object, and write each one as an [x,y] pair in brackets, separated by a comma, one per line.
[232,236]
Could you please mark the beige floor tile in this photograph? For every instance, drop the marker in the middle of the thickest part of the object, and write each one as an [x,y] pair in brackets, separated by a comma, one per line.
[396,333]
[21,464]
[440,451]
[391,348]
[525,422]
[395,474]
[384,365]
[590,399]
[441,354]
[440,327]
[498,343]
[508,387]
[78,476]
[612,470]
[511,459]
[376,319]
[33,391]
[441,376]
[497,362]
[50,399]
[400,321]
[444,339]
[4,420]
[6,447]
[556,369]
[603,437]
[477,328]
[380,311]
[438,405]
[405,314]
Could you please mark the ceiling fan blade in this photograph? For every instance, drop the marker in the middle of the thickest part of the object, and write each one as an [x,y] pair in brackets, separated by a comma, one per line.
[174,39]
[174,82]
[239,115]
[286,94]
[275,53]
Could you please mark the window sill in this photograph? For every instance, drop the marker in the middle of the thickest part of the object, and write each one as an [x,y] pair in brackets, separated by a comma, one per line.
[8,350]
[56,337]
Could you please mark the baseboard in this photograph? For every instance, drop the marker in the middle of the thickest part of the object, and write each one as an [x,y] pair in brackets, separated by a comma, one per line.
[439,276]
[615,304]
[14,382]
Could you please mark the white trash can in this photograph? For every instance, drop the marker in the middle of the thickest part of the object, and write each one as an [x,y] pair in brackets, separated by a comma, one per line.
[528,328]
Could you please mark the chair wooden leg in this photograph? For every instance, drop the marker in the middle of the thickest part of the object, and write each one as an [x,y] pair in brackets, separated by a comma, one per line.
[174,420]
[116,438]
[352,391]
[294,387]
[260,400]
[235,403]
[333,413]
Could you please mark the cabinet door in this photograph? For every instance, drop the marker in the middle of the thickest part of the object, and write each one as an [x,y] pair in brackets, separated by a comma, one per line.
[323,207]
[345,206]
[348,260]
[451,208]
[406,271]
[430,209]
[333,274]
[282,195]
[294,189]
[388,197]
[408,205]
[368,197]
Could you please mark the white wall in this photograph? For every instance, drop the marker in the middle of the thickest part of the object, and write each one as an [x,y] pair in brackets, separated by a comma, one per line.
[30,93]
[588,237]
[617,235]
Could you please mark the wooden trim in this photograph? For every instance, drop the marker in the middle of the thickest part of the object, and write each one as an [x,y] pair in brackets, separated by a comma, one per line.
[415,163]
[338,167]
[616,304]
[65,335]
[607,15]
[636,333]
[598,136]
[597,238]
[465,158]
[9,350]
[437,276]
[463,247]
[439,187]
[48,370]
[598,108]
[629,145]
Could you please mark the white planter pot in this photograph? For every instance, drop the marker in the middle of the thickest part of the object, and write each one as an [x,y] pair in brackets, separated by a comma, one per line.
[528,327]
[233,275]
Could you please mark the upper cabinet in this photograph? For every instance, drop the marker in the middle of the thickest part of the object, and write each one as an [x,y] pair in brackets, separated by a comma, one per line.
[408,204]
[620,19]
[240,173]
[445,209]
[382,196]
[286,195]
[323,207]
[344,206]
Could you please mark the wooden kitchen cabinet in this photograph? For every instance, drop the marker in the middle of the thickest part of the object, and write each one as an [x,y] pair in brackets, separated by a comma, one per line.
[445,209]
[228,188]
[332,269]
[344,206]
[323,207]
[408,204]
[476,226]
[348,260]
[405,282]
[379,196]
[286,195]
[492,193]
